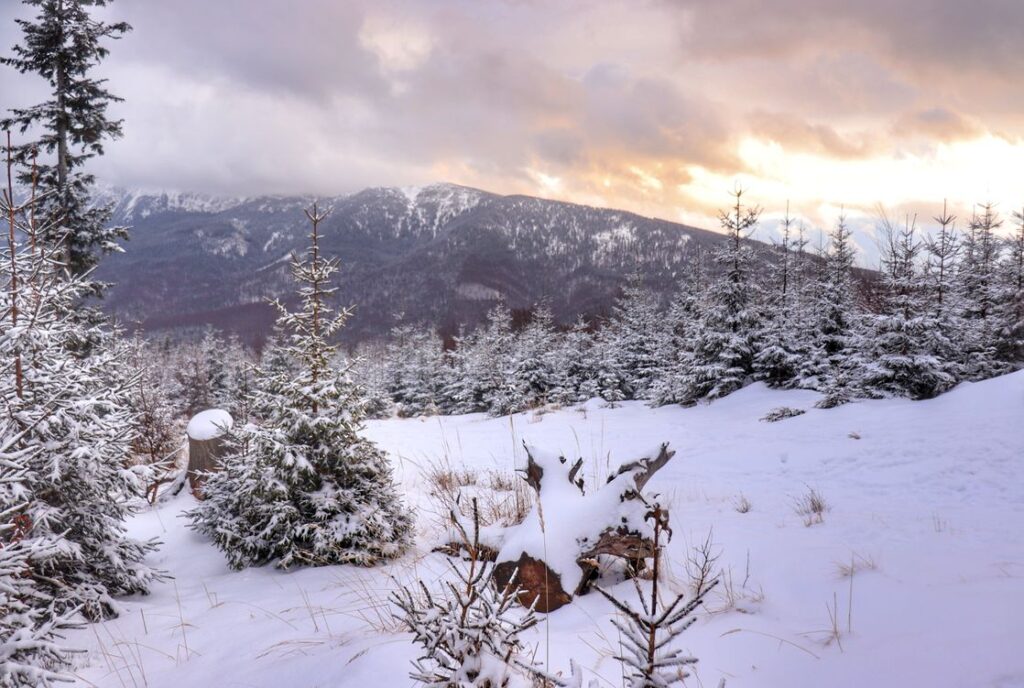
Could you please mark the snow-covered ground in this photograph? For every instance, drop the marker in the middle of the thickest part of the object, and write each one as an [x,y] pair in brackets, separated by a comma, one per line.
[926,499]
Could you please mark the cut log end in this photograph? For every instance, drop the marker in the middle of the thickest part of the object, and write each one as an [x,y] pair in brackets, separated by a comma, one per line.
[538,585]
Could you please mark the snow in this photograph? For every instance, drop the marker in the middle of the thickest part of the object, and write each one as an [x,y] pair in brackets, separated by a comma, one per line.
[208,424]
[411,193]
[564,520]
[925,499]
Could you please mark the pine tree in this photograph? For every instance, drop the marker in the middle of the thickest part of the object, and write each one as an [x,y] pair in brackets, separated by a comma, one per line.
[534,368]
[610,376]
[682,322]
[781,347]
[726,338]
[647,633]
[415,375]
[833,366]
[484,371]
[942,251]
[30,651]
[979,295]
[468,630]
[70,405]
[899,349]
[576,365]
[301,485]
[157,431]
[638,330]
[64,44]
[1011,296]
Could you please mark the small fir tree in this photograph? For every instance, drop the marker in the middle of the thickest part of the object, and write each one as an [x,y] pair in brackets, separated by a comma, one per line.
[300,485]
[469,630]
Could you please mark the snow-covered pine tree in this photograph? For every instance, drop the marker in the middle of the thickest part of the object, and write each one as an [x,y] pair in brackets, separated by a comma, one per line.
[469,630]
[833,366]
[534,367]
[682,323]
[898,352]
[237,379]
[415,370]
[157,430]
[942,252]
[610,376]
[576,365]
[371,373]
[461,393]
[637,331]
[1011,296]
[483,370]
[64,44]
[979,295]
[300,485]
[723,349]
[647,634]
[781,345]
[70,406]
[31,654]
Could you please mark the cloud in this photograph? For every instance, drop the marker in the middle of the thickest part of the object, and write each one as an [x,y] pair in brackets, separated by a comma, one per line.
[654,105]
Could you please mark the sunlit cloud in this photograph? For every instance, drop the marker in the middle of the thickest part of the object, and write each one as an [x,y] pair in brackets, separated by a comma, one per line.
[656,106]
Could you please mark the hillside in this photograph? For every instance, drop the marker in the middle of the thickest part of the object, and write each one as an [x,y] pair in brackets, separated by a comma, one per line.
[441,254]
[925,507]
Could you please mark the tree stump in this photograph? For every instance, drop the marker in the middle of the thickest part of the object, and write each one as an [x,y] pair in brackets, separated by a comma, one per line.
[552,555]
[206,431]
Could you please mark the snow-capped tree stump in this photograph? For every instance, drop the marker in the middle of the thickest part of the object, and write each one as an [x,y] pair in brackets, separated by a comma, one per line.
[206,431]
[553,553]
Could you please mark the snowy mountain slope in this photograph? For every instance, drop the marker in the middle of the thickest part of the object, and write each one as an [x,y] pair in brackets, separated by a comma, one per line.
[441,254]
[927,502]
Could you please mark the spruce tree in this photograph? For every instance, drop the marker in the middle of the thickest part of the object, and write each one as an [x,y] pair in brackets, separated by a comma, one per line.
[611,378]
[70,405]
[30,650]
[726,337]
[1011,296]
[780,352]
[833,366]
[64,44]
[638,328]
[979,295]
[534,367]
[942,253]
[899,346]
[576,362]
[682,321]
[301,486]
[415,365]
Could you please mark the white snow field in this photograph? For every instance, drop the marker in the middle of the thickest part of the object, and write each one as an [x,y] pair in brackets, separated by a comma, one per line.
[926,500]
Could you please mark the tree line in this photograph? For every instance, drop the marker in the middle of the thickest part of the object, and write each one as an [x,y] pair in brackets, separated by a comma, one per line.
[945,307]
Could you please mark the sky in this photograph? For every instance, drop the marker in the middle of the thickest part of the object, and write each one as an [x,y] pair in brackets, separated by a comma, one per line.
[661,107]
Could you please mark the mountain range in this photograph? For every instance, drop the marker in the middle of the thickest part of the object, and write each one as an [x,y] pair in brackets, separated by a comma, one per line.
[441,254]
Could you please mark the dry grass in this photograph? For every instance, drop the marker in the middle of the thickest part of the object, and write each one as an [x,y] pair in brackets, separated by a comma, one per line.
[445,480]
[507,508]
[811,507]
[503,498]
[856,564]
[742,504]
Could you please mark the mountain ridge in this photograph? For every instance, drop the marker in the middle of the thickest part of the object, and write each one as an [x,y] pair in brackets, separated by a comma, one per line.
[440,254]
